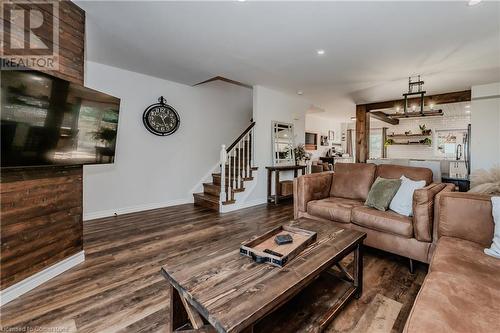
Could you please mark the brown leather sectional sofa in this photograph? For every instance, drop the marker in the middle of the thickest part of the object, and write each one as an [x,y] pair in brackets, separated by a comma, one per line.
[461,293]
[338,197]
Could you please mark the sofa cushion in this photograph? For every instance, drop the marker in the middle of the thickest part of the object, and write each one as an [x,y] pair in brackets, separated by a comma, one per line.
[382,192]
[466,216]
[335,209]
[388,221]
[455,303]
[352,180]
[494,249]
[396,171]
[459,256]
[402,202]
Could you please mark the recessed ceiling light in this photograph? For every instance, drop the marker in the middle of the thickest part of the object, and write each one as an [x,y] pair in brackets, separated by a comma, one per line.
[467,106]
[353,118]
[320,52]
[300,92]
[473,2]
[241,0]
[467,111]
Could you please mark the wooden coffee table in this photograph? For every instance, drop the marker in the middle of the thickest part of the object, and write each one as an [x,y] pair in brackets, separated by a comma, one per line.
[216,289]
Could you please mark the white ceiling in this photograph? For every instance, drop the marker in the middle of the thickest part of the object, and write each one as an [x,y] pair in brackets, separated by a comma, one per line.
[371,47]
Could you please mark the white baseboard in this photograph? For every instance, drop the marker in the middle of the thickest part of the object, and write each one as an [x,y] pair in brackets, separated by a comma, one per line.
[242,198]
[246,204]
[134,209]
[22,287]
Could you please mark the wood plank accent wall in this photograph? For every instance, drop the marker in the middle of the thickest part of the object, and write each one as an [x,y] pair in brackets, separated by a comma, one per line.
[71,40]
[41,219]
[41,208]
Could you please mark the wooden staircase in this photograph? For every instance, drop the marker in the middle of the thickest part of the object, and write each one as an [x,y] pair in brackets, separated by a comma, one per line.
[236,168]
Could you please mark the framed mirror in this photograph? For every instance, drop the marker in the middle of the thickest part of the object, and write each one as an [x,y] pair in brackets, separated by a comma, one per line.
[283,142]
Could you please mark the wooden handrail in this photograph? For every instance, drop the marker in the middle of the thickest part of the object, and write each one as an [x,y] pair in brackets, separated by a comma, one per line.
[240,137]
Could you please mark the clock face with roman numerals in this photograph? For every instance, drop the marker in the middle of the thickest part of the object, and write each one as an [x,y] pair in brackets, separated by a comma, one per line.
[161,119]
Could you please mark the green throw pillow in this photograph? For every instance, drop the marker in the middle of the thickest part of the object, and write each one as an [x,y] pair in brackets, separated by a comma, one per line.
[382,192]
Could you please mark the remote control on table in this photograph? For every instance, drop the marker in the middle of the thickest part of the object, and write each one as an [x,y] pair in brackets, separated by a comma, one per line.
[273,253]
[283,239]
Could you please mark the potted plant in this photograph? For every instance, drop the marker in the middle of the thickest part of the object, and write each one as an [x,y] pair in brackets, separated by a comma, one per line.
[424,130]
[426,141]
[105,135]
[301,154]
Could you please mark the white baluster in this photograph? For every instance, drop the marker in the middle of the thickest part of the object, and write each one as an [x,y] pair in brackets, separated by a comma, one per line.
[248,153]
[223,160]
[240,181]
[245,154]
[234,171]
[229,182]
[253,147]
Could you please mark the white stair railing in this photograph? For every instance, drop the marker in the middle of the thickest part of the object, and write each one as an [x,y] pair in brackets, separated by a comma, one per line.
[236,164]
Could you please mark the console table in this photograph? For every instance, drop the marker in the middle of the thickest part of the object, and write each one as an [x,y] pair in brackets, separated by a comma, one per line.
[276,197]
[461,182]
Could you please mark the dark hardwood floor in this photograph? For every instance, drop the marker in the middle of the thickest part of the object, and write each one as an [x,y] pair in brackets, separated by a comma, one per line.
[119,287]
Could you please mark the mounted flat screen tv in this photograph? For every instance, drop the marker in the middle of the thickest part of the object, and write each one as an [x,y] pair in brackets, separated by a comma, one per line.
[49,121]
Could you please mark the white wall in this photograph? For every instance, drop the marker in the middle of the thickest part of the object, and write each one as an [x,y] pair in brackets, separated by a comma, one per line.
[268,106]
[485,126]
[151,171]
[321,126]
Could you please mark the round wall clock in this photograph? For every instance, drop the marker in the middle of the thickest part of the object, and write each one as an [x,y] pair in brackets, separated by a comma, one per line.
[161,119]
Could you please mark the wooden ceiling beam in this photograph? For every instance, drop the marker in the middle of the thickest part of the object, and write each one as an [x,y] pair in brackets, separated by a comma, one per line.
[453,97]
[383,117]
[362,134]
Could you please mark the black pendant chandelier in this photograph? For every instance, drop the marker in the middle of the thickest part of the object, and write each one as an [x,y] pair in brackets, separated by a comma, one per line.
[415,88]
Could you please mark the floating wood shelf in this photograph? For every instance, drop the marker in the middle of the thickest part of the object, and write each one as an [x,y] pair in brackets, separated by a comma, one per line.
[410,143]
[408,135]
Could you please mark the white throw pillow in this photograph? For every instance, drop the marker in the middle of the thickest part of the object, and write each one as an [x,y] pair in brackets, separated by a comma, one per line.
[402,203]
[494,250]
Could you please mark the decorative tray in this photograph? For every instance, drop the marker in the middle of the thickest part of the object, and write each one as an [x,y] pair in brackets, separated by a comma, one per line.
[277,255]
